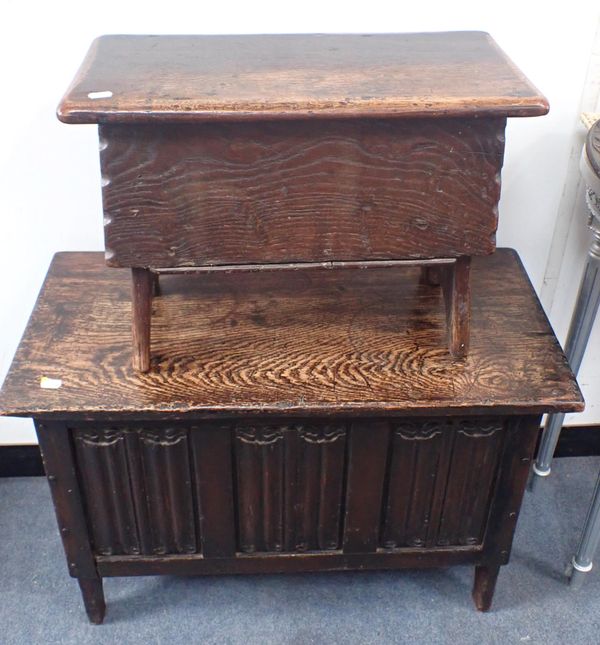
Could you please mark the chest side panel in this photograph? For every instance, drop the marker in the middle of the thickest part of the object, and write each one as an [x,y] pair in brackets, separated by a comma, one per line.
[195,195]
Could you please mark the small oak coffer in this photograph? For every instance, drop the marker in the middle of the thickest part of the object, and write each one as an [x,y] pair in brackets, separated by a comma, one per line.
[295,421]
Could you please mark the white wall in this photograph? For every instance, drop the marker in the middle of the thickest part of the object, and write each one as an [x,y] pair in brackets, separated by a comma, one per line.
[49,177]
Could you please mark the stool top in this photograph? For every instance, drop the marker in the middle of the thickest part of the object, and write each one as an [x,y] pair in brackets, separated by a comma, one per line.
[280,343]
[192,78]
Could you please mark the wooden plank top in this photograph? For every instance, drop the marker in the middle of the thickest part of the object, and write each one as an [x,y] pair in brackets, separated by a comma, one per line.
[194,78]
[311,341]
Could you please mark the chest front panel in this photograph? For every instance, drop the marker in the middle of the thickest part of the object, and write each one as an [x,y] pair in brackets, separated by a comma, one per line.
[308,485]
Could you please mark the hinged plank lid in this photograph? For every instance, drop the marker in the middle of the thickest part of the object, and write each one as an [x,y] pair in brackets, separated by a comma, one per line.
[307,342]
[192,78]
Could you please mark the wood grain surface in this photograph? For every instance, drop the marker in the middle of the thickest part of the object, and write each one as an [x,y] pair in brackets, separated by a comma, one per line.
[285,343]
[192,195]
[192,78]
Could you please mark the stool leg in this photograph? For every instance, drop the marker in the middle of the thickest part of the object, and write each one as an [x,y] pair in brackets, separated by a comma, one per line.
[93,598]
[142,286]
[456,286]
[484,586]
[588,301]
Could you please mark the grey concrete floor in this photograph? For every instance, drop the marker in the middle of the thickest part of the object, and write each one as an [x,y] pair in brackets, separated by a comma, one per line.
[40,603]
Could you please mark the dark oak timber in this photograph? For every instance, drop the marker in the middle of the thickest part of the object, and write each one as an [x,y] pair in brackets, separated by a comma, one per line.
[484,585]
[225,151]
[93,598]
[286,343]
[212,465]
[457,297]
[113,566]
[519,447]
[59,464]
[302,191]
[367,457]
[144,283]
[291,421]
[215,78]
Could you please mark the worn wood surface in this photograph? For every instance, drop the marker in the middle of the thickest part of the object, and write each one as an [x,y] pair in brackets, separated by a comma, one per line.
[192,195]
[287,342]
[367,459]
[93,598]
[519,448]
[191,78]
[212,465]
[59,464]
[456,288]
[484,585]
[189,565]
[143,285]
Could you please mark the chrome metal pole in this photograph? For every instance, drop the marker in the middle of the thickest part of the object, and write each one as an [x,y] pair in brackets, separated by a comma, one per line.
[588,302]
[582,560]
[582,322]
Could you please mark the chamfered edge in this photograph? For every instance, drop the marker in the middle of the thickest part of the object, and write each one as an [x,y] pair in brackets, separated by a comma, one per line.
[72,112]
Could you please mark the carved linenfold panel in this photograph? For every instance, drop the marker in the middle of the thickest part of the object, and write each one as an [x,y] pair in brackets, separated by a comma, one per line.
[168,486]
[472,472]
[137,487]
[103,465]
[218,489]
[145,488]
[440,482]
[259,460]
[289,484]
[415,467]
[314,484]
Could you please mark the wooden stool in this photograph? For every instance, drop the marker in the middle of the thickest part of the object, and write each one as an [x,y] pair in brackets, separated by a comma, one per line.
[290,151]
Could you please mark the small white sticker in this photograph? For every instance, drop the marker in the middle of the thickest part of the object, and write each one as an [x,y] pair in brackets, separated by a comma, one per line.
[106,94]
[50,383]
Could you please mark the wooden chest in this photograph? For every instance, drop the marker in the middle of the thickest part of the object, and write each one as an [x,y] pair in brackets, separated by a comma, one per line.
[279,150]
[295,421]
